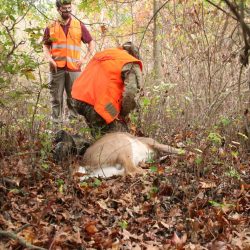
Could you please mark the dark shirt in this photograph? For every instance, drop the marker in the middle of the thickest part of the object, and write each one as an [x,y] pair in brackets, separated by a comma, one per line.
[86,37]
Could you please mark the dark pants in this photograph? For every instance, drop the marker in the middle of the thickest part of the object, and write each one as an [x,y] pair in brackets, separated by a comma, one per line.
[61,81]
[96,123]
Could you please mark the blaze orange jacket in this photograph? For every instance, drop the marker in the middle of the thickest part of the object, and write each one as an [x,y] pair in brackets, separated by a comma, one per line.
[101,84]
[65,50]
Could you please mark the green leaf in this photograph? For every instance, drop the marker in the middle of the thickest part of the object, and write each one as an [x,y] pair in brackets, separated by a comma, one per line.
[215,138]
[29,75]
[59,182]
[123,224]
[215,204]
[84,184]
[45,166]
[153,169]
[61,189]
[15,191]
[181,151]
[198,160]
[225,121]
[154,190]
[97,182]
[145,101]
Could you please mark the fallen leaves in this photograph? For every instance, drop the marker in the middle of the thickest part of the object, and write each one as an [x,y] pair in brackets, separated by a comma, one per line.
[171,207]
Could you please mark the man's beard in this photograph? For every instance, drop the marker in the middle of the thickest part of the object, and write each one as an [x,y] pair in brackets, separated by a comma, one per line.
[65,15]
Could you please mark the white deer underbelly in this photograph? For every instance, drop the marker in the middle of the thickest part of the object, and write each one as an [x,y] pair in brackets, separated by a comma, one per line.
[103,171]
[140,151]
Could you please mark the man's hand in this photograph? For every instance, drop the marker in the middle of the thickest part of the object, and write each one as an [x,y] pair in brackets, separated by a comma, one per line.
[79,63]
[53,64]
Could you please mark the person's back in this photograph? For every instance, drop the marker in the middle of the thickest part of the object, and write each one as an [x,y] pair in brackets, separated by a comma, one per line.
[106,89]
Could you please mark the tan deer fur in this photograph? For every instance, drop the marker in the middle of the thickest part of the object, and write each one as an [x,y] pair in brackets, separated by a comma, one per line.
[119,154]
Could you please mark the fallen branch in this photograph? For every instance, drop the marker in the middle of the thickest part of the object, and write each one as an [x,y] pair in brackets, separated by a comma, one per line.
[22,228]
[14,236]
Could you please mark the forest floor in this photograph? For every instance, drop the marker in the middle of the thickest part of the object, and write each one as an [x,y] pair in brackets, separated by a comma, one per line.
[182,203]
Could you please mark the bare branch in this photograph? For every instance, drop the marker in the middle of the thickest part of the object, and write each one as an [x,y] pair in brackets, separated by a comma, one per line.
[152,18]
[24,243]
[238,16]
[218,7]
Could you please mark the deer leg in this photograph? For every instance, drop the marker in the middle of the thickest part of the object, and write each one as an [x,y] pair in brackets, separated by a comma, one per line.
[160,147]
[130,167]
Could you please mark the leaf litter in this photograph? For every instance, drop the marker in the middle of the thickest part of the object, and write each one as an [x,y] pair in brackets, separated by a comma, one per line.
[178,204]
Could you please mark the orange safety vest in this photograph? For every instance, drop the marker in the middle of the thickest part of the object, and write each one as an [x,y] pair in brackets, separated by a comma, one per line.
[101,84]
[65,50]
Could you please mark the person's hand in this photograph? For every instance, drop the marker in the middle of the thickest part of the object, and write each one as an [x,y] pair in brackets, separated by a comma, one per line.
[53,64]
[79,63]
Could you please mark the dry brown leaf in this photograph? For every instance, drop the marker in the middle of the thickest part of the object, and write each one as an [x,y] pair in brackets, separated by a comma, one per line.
[191,246]
[127,235]
[76,238]
[116,245]
[102,204]
[179,241]
[91,228]
[154,245]
[166,225]
[175,211]
[28,234]
[137,247]
[22,168]
[217,245]
[206,185]
[150,247]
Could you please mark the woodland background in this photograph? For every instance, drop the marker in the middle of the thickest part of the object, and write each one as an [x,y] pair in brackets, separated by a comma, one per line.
[196,94]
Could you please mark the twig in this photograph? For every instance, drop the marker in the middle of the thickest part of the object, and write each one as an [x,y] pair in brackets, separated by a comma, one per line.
[164,157]
[34,6]
[37,102]
[22,228]
[238,16]
[24,153]
[135,183]
[152,18]
[24,243]
[218,7]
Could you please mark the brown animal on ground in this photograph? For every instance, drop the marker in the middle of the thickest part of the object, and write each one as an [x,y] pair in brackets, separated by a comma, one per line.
[120,154]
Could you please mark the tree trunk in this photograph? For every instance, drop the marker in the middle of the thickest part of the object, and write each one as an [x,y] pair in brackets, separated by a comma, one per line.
[156,44]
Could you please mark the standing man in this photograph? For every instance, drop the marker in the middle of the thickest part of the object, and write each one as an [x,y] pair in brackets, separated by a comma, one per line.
[105,92]
[62,46]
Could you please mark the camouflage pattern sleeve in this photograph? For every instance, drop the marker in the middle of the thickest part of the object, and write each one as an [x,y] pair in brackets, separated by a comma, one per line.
[132,77]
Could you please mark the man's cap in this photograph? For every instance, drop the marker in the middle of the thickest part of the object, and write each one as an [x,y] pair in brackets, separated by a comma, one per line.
[132,49]
[62,2]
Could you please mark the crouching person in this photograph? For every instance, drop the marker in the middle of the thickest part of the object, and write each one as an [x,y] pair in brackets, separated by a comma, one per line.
[105,91]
